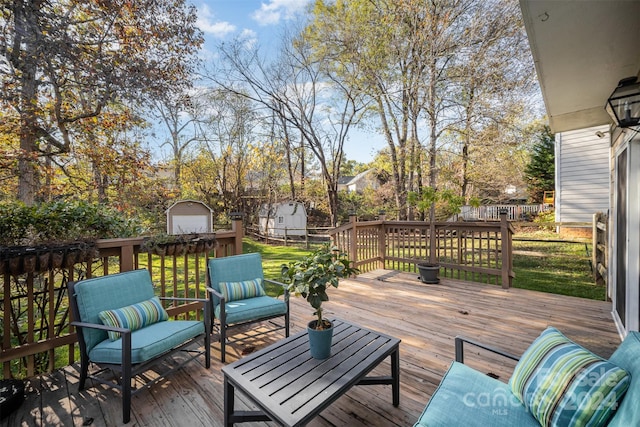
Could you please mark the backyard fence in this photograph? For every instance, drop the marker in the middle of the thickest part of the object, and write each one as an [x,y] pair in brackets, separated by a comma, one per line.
[492,212]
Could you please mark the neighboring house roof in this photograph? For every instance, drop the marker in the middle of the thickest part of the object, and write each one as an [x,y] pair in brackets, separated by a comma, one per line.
[345,180]
[282,208]
[359,182]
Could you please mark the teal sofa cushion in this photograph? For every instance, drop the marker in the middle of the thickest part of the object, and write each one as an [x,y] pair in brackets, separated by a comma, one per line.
[466,397]
[252,308]
[563,384]
[627,356]
[148,342]
[134,317]
[235,291]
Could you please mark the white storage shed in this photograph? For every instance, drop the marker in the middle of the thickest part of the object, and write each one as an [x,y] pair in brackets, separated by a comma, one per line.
[283,219]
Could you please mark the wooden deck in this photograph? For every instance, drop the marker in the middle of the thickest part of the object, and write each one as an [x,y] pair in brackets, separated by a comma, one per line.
[425,317]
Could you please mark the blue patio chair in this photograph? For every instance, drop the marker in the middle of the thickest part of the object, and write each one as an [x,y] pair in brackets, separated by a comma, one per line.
[236,286]
[123,328]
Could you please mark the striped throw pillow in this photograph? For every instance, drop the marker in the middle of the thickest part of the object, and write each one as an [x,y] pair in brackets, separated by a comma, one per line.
[234,291]
[134,316]
[563,384]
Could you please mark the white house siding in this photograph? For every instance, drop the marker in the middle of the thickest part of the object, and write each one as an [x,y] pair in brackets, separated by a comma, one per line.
[582,174]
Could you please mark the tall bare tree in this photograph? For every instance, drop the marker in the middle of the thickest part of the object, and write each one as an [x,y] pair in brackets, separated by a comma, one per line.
[493,78]
[230,127]
[298,90]
[397,53]
[179,113]
[431,68]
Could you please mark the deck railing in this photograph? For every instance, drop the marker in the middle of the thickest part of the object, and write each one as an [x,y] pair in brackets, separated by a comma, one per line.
[476,251]
[35,311]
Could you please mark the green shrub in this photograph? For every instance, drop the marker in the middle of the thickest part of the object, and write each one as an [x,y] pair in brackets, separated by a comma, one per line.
[62,221]
[546,217]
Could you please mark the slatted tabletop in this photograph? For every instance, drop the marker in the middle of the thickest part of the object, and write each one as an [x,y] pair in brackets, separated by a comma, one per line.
[291,387]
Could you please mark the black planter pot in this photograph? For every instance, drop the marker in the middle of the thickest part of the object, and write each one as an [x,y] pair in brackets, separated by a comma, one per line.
[429,273]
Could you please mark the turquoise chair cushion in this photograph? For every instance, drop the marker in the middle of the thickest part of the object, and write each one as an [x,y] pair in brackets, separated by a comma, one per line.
[109,292]
[466,397]
[134,317]
[149,342]
[234,291]
[627,356]
[563,384]
[252,308]
[236,268]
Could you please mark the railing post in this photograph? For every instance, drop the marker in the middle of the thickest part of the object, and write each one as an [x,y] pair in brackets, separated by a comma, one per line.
[126,257]
[306,238]
[236,226]
[505,237]
[382,247]
[353,246]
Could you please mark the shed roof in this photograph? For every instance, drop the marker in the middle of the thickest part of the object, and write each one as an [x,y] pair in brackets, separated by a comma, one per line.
[188,201]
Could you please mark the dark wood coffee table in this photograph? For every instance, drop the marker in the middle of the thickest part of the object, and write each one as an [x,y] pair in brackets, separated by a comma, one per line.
[291,388]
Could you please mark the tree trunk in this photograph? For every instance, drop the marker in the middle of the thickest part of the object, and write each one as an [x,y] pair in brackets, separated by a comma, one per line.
[28,184]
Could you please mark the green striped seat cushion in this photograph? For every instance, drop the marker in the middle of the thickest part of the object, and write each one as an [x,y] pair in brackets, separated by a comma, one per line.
[235,291]
[563,384]
[134,317]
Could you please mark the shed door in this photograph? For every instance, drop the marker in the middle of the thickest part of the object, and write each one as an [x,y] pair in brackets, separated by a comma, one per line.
[183,224]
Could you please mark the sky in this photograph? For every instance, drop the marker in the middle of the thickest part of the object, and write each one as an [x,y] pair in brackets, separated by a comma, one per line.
[264,20]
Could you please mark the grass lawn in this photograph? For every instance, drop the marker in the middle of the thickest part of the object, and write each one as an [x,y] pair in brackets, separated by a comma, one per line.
[547,266]
[273,257]
[556,267]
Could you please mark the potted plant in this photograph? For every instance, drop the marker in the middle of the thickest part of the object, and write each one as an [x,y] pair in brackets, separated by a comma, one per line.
[429,272]
[448,204]
[310,278]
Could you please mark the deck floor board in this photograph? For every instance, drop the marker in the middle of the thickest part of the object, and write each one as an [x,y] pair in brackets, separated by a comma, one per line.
[425,317]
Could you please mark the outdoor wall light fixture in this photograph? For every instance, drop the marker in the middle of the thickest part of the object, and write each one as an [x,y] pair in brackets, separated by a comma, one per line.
[624,103]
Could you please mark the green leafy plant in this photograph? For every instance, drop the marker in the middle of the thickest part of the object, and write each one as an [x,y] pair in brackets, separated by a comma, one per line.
[546,219]
[314,274]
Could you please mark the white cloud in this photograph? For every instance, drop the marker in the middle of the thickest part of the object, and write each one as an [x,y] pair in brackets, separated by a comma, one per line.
[207,23]
[248,34]
[249,37]
[275,10]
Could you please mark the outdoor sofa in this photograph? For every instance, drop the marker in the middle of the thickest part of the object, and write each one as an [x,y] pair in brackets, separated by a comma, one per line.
[555,382]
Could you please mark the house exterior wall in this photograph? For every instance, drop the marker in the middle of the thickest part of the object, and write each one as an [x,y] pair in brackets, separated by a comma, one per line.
[582,176]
